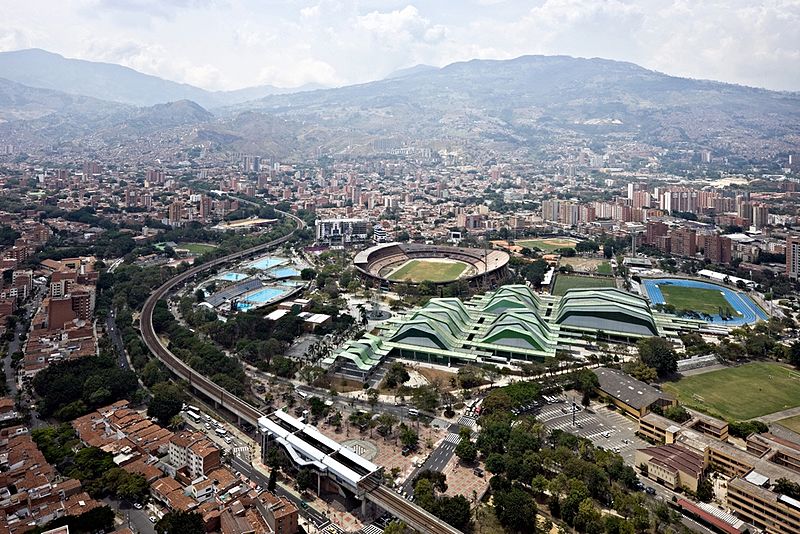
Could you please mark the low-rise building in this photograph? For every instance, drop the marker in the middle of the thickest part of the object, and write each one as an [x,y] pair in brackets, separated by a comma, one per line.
[630,395]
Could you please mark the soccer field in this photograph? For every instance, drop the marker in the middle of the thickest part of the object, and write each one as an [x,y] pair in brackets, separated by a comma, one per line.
[565,282]
[549,244]
[740,393]
[433,270]
[708,301]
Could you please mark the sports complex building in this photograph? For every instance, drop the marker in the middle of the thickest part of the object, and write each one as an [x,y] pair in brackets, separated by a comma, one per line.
[393,263]
[510,325]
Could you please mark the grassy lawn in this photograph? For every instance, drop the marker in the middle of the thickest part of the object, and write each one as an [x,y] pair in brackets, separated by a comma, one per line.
[197,248]
[696,299]
[792,423]
[604,268]
[744,392]
[548,245]
[435,271]
[565,282]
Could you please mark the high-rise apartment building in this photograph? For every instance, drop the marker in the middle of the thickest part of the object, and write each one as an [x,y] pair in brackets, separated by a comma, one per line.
[684,242]
[793,257]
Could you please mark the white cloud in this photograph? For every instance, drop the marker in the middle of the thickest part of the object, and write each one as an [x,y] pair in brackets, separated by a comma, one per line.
[236,43]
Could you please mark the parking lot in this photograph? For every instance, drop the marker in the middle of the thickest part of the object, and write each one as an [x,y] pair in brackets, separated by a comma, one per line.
[603,427]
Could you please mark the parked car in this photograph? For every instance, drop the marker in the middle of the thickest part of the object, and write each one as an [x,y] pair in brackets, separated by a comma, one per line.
[650,490]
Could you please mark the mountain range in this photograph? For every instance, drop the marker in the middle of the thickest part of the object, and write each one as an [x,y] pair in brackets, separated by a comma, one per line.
[531,104]
[115,83]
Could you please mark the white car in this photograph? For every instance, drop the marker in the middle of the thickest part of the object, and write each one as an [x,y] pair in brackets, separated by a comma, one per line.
[137,505]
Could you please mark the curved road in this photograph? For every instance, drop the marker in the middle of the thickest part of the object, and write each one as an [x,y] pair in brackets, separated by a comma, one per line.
[384,497]
[179,367]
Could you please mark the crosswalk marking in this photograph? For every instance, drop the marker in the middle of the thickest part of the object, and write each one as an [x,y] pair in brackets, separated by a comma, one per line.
[468,422]
[452,438]
[372,529]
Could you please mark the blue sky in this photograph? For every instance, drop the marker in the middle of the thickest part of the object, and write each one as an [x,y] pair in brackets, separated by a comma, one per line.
[230,44]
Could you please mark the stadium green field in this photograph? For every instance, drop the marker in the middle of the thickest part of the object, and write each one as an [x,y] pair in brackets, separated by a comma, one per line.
[565,282]
[740,393]
[549,244]
[435,271]
[697,299]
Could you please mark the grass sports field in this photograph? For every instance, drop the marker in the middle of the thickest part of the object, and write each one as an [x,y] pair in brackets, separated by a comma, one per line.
[696,299]
[433,270]
[565,282]
[740,393]
[604,268]
[549,244]
[197,248]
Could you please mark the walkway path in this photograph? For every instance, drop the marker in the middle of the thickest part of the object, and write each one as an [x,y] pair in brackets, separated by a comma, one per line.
[776,416]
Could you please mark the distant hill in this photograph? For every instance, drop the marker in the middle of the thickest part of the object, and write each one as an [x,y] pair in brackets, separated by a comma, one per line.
[532,101]
[532,105]
[115,83]
[410,71]
[20,103]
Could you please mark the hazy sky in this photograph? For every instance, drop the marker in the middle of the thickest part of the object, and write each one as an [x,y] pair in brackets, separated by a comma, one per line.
[229,44]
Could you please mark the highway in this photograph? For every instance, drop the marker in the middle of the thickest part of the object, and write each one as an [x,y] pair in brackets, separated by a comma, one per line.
[384,497]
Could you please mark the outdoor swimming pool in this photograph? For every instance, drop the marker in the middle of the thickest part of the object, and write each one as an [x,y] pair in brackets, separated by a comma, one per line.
[749,311]
[260,297]
[262,264]
[231,276]
[284,272]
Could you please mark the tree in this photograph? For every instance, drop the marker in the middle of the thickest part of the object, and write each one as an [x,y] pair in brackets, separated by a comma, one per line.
[640,371]
[658,353]
[705,490]
[438,479]
[408,436]
[677,413]
[466,451]
[454,511]
[395,527]
[199,295]
[273,480]
[179,522]
[166,402]
[372,397]
[308,274]
[305,479]
[516,510]
[396,375]
[425,398]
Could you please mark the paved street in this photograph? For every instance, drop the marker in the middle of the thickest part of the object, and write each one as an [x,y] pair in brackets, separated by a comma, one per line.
[138,520]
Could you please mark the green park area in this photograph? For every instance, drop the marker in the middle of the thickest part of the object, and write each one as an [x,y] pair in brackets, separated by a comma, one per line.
[700,300]
[548,244]
[435,271]
[740,393]
[566,282]
[196,249]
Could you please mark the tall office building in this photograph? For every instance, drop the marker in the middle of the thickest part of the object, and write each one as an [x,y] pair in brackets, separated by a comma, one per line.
[793,257]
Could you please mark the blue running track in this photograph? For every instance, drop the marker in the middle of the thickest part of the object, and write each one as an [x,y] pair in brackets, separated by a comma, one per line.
[749,310]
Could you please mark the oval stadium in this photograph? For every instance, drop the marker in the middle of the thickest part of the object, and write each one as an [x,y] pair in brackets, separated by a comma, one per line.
[411,263]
